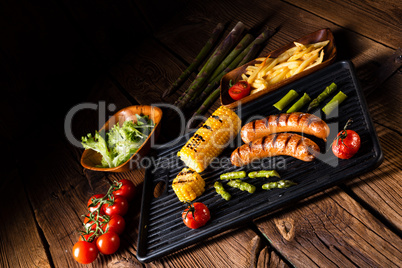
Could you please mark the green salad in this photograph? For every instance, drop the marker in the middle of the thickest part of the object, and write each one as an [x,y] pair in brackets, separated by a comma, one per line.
[119,143]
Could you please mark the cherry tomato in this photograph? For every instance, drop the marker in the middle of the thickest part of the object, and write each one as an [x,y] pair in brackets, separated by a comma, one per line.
[196,215]
[85,252]
[91,206]
[239,90]
[126,190]
[108,243]
[346,144]
[116,224]
[119,206]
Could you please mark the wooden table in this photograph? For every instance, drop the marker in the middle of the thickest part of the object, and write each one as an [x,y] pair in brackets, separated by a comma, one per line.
[130,53]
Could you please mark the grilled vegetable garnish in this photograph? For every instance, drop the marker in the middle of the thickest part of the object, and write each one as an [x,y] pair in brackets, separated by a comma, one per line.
[210,139]
[188,185]
[263,174]
[242,185]
[278,184]
[220,190]
[233,175]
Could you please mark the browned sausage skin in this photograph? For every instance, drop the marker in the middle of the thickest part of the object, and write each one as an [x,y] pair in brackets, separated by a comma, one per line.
[275,144]
[292,122]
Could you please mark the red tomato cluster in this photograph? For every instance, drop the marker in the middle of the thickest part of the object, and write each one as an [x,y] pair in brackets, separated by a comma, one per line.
[104,222]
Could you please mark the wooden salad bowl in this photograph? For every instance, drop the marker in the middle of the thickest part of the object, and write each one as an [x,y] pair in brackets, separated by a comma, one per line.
[91,159]
[235,75]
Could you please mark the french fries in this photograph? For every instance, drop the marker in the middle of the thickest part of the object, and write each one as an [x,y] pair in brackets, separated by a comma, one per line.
[268,71]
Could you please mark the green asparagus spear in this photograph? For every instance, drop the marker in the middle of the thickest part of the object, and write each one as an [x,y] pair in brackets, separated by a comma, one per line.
[233,175]
[242,185]
[232,55]
[263,174]
[327,91]
[288,98]
[196,62]
[299,104]
[219,72]
[234,64]
[220,190]
[332,104]
[256,45]
[248,54]
[278,184]
[223,49]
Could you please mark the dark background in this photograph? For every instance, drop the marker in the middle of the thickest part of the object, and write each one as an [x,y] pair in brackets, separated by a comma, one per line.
[52,52]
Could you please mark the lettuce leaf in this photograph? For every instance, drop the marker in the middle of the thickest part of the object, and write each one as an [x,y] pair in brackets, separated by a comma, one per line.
[119,143]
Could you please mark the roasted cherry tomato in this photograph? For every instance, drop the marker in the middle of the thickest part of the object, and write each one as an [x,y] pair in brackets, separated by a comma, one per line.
[91,205]
[346,144]
[196,215]
[85,252]
[239,90]
[119,206]
[108,243]
[126,190]
[115,224]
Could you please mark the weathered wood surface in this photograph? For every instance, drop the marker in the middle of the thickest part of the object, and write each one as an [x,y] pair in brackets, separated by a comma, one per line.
[381,188]
[356,224]
[377,20]
[332,230]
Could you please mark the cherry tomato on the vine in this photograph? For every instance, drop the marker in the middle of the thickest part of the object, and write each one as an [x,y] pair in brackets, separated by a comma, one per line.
[91,224]
[119,206]
[91,206]
[239,90]
[116,224]
[85,252]
[87,237]
[196,215]
[346,144]
[126,190]
[108,243]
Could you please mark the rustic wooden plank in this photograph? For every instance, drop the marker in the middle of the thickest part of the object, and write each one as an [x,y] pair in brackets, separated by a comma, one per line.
[332,230]
[382,20]
[231,249]
[381,188]
[268,258]
[20,239]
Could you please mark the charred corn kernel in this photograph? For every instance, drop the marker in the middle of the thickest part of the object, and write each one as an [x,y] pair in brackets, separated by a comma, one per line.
[188,185]
[210,139]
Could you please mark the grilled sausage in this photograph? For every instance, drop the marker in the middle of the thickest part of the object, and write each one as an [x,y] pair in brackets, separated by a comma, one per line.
[275,144]
[293,122]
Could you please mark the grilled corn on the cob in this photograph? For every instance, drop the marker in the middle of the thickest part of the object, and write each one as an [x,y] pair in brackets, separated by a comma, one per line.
[210,139]
[188,185]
